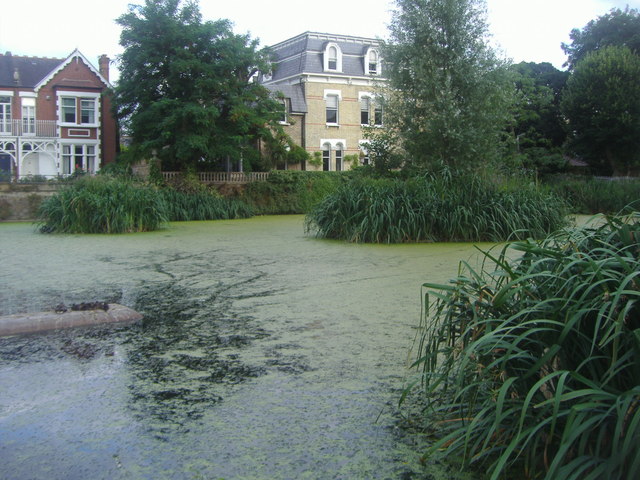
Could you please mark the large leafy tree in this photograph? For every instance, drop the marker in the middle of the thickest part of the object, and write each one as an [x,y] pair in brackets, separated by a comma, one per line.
[618,27]
[449,95]
[539,127]
[602,105]
[185,90]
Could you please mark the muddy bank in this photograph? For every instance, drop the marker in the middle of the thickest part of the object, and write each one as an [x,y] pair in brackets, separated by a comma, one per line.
[262,354]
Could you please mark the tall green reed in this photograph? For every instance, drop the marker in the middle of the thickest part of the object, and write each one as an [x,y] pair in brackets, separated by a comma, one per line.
[202,205]
[531,367]
[436,208]
[102,204]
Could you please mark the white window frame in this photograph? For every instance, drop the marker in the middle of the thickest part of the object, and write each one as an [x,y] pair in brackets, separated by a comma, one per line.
[338,60]
[337,94]
[339,157]
[326,157]
[5,123]
[367,64]
[87,153]
[28,107]
[79,98]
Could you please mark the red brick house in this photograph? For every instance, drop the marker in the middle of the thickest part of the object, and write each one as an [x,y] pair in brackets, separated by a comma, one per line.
[55,116]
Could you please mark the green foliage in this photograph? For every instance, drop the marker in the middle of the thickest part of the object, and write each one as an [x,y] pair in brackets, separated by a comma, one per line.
[602,104]
[531,367]
[185,89]
[202,205]
[382,147]
[596,195]
[618,27]
[288,191]
[316,159]
[442,207]
[449,96]
[539,128]
[102,204]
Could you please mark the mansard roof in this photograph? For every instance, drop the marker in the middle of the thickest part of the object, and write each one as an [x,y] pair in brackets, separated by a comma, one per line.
[303,54]
[295,94]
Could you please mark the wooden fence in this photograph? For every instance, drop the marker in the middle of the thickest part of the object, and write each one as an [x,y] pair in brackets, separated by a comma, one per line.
[221,177]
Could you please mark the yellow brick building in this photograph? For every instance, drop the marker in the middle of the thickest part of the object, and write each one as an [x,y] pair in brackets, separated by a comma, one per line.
[329,83]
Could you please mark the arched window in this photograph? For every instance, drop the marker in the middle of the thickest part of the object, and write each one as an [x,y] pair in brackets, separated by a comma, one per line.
[326,157]
[332,58]
[339,165]
[372,62]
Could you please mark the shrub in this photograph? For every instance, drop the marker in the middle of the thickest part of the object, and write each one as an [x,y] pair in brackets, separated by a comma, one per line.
[291,192]
[531,369]
[102,204]
[436,208]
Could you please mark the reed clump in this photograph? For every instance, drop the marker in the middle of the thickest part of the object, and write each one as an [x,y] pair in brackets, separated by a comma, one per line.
[434,208]
[106,204]
[531,367]
[591,195]
[103,204]
[202,205]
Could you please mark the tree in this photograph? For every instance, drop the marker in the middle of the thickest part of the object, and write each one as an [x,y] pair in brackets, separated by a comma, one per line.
[602,105]
[618,27]
[448,95]
[186,87]
[539,126]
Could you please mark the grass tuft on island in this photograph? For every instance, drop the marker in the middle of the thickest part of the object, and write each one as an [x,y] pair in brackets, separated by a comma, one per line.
[437,208]
[105,204]
[531,367]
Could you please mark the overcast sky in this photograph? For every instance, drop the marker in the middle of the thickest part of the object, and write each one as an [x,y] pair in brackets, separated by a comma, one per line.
[526,30]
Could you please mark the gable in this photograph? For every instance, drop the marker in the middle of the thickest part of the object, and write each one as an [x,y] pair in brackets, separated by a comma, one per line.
[76,71]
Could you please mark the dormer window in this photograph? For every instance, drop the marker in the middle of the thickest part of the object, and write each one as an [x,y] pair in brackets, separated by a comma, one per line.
[333,57]
[372,62]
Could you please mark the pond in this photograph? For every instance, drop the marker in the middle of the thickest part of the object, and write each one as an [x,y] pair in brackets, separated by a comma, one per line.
[264,353]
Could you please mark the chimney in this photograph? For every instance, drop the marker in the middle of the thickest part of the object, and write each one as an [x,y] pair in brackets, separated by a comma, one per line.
[103,64]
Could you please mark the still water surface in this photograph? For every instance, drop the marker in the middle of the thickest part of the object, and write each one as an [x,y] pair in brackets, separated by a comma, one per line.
[264,354]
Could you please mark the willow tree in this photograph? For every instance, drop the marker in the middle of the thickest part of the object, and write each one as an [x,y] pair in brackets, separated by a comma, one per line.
[449,94]
[185,89]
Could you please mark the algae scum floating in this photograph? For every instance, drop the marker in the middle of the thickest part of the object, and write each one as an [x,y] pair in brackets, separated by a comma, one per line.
[263,353]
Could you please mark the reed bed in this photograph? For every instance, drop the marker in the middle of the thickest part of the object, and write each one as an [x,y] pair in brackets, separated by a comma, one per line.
[102,204]
[590,196]
[203,205]
[430,209]
[531,367]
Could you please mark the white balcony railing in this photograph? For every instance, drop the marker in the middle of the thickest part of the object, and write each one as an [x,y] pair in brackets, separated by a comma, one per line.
[28,128]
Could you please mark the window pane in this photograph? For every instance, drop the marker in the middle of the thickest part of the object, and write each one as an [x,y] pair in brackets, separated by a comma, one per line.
[332,109]
[378,116]
[333,58]
[69,110]
[88,111]
[326,158]
[364,111]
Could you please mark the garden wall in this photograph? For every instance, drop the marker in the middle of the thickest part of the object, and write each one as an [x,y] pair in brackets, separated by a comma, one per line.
[21,201]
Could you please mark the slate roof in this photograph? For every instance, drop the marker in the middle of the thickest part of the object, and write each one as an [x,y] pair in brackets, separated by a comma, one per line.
[295,94]
[304,54]
[27,72]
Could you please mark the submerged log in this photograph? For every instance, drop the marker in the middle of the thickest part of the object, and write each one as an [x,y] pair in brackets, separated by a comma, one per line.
[42,321]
